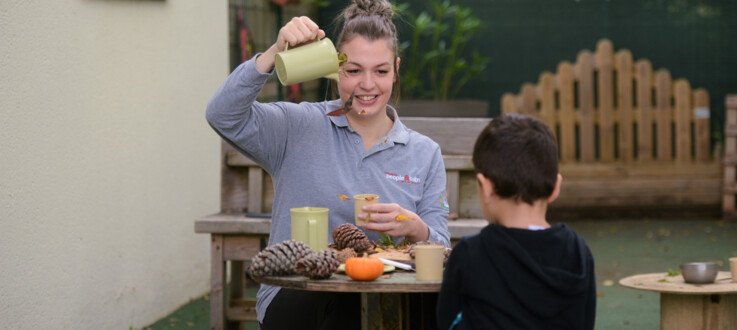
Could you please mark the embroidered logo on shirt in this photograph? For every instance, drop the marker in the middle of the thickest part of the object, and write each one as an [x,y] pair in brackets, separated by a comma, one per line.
[444,202]
[402,178]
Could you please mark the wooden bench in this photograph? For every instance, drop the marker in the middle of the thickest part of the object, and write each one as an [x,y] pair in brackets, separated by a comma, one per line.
[632,141]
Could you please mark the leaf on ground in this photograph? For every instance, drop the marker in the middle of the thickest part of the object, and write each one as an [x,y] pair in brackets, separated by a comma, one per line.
[672,272]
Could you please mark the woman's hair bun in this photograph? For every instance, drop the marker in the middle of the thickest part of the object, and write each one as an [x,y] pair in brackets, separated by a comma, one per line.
[368,8]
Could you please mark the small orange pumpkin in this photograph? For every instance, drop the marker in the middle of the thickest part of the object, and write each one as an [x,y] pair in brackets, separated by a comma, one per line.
[363,269]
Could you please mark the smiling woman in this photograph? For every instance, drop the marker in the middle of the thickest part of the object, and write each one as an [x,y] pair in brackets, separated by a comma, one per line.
[329,156]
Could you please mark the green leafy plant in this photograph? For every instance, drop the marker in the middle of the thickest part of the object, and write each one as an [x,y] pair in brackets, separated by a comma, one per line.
[386,240]
[434,59]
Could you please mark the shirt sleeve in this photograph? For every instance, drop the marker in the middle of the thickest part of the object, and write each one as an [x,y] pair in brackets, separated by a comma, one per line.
[433,208]
[450,297]
[258,130]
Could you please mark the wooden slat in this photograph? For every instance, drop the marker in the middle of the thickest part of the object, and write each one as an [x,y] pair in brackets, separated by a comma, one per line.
[624,104]
[640,170]
[452,161]
[234,184]
[729,208]
[242,310]
[456,136]
[217,283]
[546,91]
[221,223]
[241,247]
[224,225]
[508,103]
[702,126]
[453,189]
[586,130]
[663,115]
[643,77]
[731,101]
[255,189]
[605,107]
[529,100]
[566,115]
[458,162]
[683,119]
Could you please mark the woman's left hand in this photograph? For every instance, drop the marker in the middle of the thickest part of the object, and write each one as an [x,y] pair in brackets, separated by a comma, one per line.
[393,220]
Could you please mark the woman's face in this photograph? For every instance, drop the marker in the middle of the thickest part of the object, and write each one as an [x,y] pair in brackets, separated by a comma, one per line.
[369,73]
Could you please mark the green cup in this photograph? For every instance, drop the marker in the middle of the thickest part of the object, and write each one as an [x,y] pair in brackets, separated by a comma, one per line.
[307,62]
[310,226]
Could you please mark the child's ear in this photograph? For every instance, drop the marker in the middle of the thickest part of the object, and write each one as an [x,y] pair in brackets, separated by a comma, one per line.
[486,187]
[556,190]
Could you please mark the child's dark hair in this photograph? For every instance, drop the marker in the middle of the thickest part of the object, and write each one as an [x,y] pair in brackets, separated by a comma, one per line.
[519,154]
[371,19]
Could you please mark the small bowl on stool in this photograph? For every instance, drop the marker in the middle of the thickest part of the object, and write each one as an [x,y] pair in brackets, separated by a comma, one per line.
[703,272]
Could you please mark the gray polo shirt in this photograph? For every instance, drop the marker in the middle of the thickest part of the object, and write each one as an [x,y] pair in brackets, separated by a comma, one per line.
[315,159]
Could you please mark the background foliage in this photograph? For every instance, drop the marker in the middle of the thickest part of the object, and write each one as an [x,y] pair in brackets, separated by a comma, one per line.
[696,40]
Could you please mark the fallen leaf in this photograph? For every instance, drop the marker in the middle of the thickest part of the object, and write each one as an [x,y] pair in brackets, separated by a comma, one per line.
[343,197]
[401,217]
[608,283]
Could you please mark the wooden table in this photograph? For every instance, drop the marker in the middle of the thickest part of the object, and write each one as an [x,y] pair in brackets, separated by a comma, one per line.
[384,301]
[691,306]
[235,239]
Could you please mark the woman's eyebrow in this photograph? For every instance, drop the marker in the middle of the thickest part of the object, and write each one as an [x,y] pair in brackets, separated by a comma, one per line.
[359,65]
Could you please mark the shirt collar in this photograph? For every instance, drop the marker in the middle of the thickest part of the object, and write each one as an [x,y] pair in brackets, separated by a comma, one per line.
[398,134]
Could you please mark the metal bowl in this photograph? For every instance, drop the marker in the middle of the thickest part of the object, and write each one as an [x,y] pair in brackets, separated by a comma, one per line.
[699,272]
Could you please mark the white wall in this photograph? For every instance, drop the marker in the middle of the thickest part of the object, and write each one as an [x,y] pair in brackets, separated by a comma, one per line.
[105,158]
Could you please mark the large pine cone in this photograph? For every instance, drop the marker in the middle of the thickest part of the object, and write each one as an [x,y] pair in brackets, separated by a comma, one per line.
[318,265]
[349,236]
[278,259]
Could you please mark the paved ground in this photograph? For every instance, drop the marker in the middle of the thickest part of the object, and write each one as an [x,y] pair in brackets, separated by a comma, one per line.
[620,247]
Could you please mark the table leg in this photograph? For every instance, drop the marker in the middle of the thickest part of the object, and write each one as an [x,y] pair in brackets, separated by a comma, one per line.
[217,281]
[690,311]
[382,311]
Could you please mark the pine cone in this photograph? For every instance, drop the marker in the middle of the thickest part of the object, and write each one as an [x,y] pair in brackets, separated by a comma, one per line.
[318,265]
[278,259]
[346,253]
[348,235]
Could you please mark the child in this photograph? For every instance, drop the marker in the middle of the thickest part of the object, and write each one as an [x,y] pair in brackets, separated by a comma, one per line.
[519,272]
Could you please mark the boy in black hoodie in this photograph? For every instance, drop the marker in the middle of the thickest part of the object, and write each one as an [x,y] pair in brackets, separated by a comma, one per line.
[519,272]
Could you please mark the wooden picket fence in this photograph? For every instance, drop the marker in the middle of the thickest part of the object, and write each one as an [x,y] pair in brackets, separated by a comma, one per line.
[607,107]
[632,141]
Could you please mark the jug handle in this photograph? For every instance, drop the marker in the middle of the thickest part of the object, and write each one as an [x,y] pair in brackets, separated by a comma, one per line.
[286,43]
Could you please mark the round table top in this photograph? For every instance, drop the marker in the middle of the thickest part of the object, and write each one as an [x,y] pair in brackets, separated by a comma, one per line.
[661,282]
[398,281]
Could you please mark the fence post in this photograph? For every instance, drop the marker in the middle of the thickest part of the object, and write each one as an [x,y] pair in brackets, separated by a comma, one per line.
[730,158]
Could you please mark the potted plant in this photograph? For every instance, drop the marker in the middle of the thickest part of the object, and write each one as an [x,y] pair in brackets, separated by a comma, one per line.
[435,63]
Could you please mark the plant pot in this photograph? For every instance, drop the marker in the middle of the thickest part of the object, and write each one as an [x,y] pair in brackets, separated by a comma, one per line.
[450,108]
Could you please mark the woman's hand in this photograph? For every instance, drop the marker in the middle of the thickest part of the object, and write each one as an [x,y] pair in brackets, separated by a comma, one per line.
[393,220]
[297,31]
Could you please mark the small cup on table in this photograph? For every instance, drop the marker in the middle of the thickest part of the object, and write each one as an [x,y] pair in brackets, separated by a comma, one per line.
[429,262]
[359,201]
